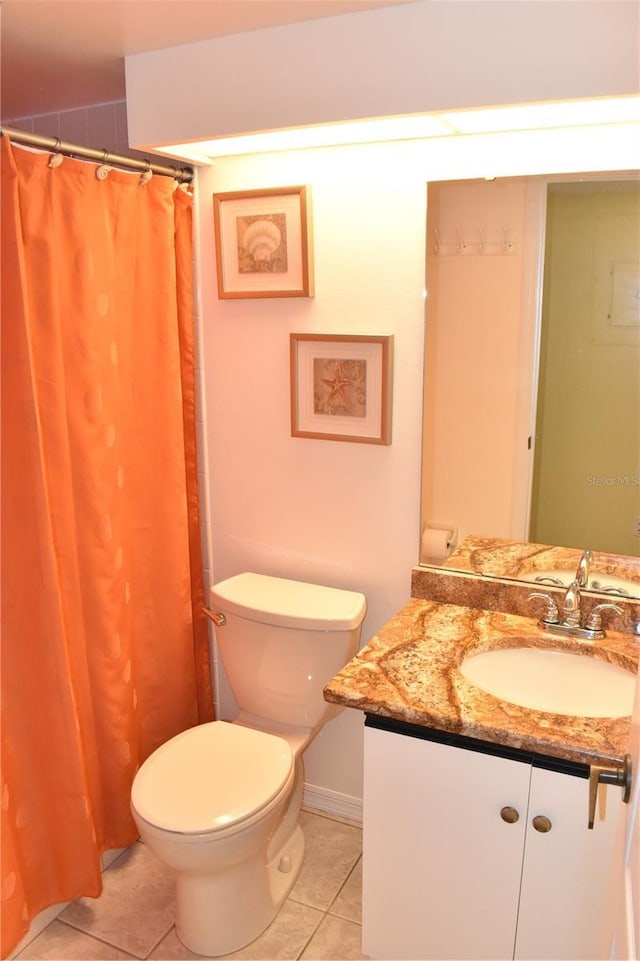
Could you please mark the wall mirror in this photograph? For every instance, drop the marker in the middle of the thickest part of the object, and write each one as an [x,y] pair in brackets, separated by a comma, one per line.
[531,419]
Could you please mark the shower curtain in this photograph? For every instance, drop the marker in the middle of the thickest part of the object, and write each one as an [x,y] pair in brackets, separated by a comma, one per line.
[105,648]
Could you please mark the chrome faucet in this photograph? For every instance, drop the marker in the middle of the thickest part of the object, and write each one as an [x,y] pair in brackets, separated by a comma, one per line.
[571,624]
[582,572]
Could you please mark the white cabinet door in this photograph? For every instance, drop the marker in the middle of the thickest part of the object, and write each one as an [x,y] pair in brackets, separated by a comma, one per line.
[621,931]
[441,866]
[566,870]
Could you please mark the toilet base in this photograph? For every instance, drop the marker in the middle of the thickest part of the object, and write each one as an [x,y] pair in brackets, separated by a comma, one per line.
[214,919]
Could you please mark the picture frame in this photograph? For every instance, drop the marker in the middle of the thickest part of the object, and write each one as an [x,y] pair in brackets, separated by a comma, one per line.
[341,387]
[262,243]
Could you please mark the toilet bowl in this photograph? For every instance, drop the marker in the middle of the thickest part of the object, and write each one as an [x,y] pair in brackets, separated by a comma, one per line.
[209,803]
[219,803]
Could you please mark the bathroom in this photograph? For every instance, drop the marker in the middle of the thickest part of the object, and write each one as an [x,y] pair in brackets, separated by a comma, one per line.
[340,513]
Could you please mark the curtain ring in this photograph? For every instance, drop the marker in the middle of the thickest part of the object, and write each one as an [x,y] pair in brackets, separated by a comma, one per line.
[147,174]
[56,158]
[102,172]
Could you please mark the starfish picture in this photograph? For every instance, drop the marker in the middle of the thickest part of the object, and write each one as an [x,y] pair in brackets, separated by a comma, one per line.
[339,387]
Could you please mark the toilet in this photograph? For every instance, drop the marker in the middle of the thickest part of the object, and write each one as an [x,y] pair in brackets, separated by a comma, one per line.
[218,804]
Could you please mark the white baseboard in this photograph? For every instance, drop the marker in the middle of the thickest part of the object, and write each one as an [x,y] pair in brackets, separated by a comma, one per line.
[332,802]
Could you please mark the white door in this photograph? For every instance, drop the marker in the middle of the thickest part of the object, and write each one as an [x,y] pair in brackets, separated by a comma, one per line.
[442,854]
[622,931]
[566,869]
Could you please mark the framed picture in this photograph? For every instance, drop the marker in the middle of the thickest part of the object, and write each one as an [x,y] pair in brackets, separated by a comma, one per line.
[341,387]
[262,243]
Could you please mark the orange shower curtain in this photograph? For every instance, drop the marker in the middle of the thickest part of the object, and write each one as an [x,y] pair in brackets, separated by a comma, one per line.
[104,650]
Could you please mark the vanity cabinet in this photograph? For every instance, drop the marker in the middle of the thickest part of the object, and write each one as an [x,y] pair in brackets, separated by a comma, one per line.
[454,864]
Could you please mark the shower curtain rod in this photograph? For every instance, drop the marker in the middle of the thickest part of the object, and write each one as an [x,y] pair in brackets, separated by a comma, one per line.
[183,175]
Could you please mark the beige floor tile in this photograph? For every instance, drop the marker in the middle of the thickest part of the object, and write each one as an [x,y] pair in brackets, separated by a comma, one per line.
[332,848]
[136,907]
[335,939]
[59,942]
[348,904]
[283,940]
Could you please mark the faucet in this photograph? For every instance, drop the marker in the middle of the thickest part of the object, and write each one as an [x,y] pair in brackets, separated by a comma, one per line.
[582,572]
[572,624]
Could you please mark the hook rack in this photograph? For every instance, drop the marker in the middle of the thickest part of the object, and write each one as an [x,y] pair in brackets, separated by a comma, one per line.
[481,245]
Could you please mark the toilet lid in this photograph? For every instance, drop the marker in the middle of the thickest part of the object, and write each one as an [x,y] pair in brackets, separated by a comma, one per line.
[211,777]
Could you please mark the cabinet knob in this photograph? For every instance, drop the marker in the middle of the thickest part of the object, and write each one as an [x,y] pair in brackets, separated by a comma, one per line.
[509,814]
[541,823]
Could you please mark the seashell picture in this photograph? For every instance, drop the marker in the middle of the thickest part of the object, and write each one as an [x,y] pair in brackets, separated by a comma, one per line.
[262,244]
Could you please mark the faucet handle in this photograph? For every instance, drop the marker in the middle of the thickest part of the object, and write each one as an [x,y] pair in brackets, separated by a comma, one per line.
[594,620]
[552,615]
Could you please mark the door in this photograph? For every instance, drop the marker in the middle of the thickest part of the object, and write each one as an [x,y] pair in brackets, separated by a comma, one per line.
[443,837]
[622,927]
[566,868]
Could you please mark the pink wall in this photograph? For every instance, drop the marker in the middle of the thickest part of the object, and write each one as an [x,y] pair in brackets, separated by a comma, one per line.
[475,274]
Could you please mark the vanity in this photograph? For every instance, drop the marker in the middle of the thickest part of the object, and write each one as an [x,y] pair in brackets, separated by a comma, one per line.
[477,841]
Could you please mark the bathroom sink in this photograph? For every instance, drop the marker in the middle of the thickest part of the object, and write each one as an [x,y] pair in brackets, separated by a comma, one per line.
[607,583]
[546,679]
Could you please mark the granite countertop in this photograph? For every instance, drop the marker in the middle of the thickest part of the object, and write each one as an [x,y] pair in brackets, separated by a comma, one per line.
[409,672]
[504,558]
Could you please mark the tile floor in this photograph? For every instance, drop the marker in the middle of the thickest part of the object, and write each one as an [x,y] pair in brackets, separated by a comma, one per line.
[133,918]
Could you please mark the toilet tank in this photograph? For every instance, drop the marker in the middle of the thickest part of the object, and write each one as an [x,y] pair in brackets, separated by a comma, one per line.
[283,641]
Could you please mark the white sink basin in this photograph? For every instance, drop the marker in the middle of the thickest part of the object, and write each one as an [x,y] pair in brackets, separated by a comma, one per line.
[560,682]
[607,583]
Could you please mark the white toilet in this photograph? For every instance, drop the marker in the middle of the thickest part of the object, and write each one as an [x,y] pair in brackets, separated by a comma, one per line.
[219,803]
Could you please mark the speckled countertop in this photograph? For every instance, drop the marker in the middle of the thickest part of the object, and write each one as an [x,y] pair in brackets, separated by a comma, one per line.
[504,558]
[409,671]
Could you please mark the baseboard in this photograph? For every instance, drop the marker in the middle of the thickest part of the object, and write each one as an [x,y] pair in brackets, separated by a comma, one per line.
[332,802]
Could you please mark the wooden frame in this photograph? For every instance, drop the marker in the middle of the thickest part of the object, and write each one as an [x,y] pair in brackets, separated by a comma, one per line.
[262,243]
[341,387]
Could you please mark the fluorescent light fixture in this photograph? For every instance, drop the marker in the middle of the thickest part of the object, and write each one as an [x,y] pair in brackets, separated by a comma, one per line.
[540,116]
[417,127]
[324,135]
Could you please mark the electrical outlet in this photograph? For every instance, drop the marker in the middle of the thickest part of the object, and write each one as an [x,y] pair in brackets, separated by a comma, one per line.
[636,525]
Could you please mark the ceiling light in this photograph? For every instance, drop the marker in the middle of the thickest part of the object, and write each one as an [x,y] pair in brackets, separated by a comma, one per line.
[416,127]
[537,116]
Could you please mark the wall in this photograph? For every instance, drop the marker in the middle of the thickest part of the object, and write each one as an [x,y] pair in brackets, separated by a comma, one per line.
[102,126]
[324,511]
[335,513]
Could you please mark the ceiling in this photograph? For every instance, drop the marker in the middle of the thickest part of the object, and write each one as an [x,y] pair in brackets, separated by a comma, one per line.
[62,54]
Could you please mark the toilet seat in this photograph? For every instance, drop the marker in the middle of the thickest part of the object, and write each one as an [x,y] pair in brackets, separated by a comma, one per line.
[211,778]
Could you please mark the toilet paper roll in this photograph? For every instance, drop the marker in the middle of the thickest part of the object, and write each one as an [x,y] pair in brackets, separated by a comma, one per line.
[435,547]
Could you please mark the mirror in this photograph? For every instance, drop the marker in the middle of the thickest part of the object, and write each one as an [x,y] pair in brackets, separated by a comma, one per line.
[531,420]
